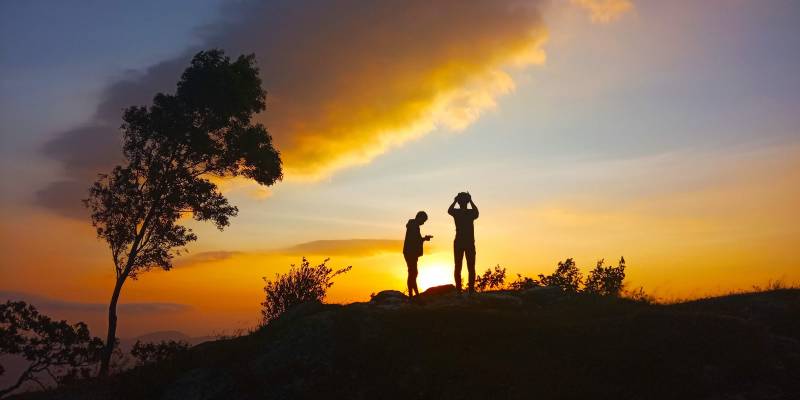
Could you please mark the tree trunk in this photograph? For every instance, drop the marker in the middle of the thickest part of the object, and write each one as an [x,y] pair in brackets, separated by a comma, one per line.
[111,338]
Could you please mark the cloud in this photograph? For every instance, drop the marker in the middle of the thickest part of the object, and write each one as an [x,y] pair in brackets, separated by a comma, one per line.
[336,248]
[346,81]
[206,257]
[346,247]
[604,11]
[50,305]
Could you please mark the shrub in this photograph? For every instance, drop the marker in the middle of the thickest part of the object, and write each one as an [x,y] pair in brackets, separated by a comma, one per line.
[567,277]
[148,353]
[606,281]
[523,282]
[491,279]
[63,352]
[301,284]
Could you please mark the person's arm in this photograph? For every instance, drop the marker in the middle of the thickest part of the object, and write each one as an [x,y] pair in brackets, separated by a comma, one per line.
[452,207]
[474,207]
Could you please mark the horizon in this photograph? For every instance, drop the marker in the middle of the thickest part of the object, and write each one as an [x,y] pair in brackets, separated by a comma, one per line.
[664,132]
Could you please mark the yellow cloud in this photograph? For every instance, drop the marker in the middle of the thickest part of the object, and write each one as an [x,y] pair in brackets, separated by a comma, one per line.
[388,73]
[604,11]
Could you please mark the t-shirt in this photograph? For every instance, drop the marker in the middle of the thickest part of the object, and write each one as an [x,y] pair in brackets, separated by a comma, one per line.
[412,246]
[465,230]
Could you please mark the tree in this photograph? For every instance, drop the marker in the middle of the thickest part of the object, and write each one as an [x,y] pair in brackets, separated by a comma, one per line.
[566,276]
[299,285]
[171,150]
[56,348]
[491,279]
[148,353]
[606,281]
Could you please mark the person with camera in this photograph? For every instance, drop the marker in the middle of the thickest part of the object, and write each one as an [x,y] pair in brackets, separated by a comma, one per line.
[412,249]
[464,243]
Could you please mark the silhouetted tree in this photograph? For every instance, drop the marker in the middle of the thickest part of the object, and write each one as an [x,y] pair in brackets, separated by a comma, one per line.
[606,281]
[148,353]
[299,285]
[60,350]
[566,276]
[491,279]
[171,149]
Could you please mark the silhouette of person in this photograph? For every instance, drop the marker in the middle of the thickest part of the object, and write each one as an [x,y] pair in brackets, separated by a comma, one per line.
[412,249]
[464,243]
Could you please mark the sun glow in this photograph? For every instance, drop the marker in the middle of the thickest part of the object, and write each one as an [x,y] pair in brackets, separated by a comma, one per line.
[434,274]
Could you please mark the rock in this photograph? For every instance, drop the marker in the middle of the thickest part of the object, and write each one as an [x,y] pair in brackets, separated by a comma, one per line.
[389,299]
[542,295]
[439,290]
[388,296]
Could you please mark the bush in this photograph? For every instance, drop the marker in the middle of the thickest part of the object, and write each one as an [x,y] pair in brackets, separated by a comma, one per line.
[567,277]
[606,281]
[61,351]
[148,353]
[299,285]
[491,279]
[523,282]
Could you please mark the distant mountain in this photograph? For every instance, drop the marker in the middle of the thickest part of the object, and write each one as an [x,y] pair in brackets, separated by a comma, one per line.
[535,344]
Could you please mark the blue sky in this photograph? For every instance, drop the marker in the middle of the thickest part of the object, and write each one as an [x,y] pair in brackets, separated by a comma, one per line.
[669,135]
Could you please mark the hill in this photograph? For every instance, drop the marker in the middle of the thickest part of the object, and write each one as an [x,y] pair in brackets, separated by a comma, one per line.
[500,345]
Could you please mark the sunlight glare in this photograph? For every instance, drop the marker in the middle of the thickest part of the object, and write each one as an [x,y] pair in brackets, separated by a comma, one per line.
[434,274]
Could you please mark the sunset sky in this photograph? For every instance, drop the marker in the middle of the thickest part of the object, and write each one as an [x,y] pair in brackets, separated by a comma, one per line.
[667,132]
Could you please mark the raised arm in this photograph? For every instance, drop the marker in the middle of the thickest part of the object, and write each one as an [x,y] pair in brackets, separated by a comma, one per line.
[474,207]
[452,207]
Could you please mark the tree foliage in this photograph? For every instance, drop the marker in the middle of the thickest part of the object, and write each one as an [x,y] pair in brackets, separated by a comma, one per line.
[301,284]
[55,348]
[606,281]
[172,150]
[153,352]
[567,277]
[491,279]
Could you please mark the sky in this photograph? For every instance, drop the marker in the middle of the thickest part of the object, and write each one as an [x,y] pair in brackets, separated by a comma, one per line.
[664,132]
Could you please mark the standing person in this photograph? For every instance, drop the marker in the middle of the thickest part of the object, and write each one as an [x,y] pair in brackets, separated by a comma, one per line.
[464,244]
[412,249]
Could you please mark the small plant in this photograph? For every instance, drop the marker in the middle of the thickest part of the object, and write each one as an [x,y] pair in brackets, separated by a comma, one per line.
[64,352]
[491,279]
[567,277]
[523,282]
[148,353]
[606,281]
[301,284]
[639,296]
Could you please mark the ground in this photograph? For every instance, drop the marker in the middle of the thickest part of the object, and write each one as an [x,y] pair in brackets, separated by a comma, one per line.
[538,344]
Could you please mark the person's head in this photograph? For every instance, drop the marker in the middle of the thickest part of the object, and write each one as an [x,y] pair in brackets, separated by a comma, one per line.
[463,199]
[421,217]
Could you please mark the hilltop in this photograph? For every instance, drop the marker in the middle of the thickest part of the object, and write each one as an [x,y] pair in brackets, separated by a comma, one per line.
[537,343]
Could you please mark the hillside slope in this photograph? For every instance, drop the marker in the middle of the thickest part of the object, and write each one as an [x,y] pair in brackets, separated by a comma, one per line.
[500,345]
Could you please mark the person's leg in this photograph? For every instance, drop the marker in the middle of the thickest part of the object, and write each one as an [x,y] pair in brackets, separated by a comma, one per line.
[411,264]
[470,253]
[413,278]
[458,255]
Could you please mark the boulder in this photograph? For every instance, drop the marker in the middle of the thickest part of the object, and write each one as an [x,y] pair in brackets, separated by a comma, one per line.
[439,290]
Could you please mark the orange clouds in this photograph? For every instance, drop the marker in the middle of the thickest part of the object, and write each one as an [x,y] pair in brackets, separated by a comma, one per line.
[348,83]
[604,11]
